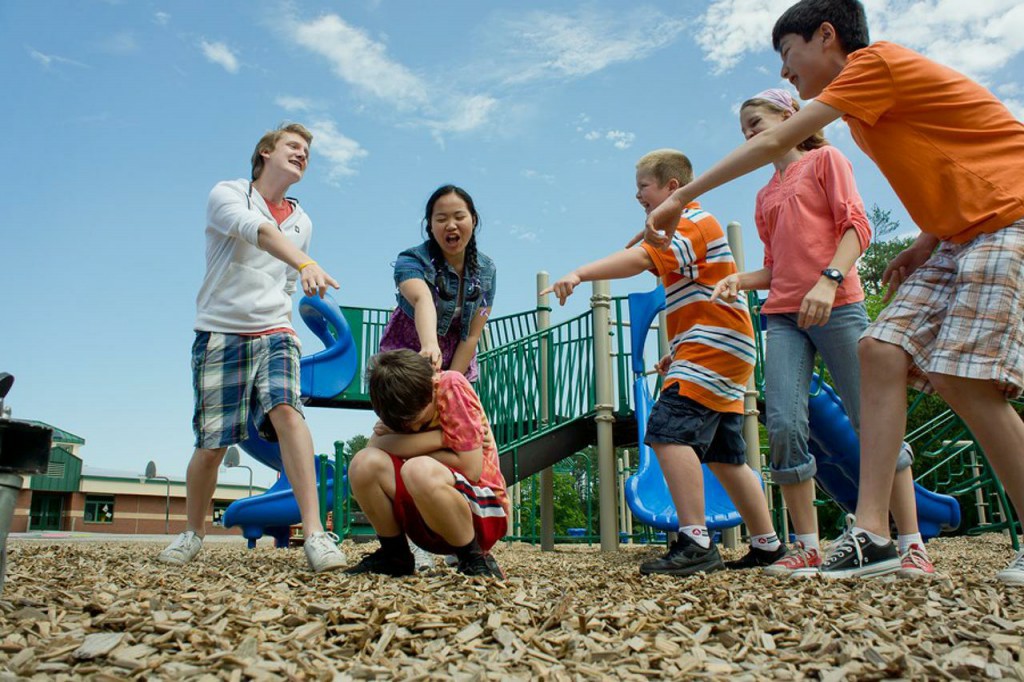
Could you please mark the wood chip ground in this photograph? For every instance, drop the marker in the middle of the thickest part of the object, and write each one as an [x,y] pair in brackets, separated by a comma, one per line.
[109,611]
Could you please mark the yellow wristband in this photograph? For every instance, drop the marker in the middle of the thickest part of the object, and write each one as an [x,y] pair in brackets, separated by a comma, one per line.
[307,263]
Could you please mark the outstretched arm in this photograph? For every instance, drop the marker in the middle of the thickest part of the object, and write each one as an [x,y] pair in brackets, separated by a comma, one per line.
[759,150]
[417,292]
[314,278]
[728,288]
[467,347]
[619,265]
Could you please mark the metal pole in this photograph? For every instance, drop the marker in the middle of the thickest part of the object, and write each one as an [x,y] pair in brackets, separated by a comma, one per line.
[547,478]
[751,433]
[601,304]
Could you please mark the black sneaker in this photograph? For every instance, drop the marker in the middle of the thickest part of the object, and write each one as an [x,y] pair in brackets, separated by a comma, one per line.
[685,557]
[482,564]
[385,563]
[757,558]
[854,555]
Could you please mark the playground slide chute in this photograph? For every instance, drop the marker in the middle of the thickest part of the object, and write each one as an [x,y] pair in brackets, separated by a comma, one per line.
[322,375]
[647,492]
[836,448]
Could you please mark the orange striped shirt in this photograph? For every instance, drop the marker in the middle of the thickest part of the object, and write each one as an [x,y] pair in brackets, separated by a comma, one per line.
[712,344]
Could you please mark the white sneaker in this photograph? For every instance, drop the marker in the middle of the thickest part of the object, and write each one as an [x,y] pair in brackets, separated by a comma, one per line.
[323,553]
[182,550]
[424,560]
[1014,573]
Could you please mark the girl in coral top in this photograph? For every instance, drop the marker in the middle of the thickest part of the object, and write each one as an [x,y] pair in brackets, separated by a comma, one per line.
[814,228]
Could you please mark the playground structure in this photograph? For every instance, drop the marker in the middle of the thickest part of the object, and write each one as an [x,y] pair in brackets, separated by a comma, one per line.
[551,390]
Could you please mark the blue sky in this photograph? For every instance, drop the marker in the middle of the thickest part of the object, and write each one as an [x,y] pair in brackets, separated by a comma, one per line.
[122,115]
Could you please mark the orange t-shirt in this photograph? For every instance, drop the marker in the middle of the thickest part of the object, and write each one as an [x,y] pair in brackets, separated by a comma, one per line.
[952,152]
[281,211]
[712,343]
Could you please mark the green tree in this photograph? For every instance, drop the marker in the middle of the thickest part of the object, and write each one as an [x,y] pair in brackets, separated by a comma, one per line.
[884,247]
[355,444]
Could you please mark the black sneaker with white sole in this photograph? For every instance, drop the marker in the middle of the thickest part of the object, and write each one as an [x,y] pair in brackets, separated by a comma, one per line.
[757,558]
[855,555]
[685,557]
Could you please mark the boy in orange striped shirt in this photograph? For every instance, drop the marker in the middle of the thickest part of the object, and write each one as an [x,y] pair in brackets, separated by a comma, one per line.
[699,415]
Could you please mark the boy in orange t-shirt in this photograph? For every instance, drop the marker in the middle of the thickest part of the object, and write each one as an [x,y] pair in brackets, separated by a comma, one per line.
[699,414]
[955,157]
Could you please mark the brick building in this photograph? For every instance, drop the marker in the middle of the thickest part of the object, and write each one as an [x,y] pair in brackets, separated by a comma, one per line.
[76,498]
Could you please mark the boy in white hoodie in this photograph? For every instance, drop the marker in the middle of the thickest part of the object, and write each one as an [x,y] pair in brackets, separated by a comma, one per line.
[245,359]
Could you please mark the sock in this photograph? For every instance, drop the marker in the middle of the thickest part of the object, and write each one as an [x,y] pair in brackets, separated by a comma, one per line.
[396,546]
[768,542]
[468,551]
[810,541]
[698,534]
[876,539]
[905,541]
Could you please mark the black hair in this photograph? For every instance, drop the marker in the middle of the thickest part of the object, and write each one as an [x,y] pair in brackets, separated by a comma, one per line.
[471,273]
[806,16]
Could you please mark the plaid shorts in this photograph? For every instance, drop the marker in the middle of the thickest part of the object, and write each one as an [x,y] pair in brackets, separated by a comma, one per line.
[962,312]
[236,376]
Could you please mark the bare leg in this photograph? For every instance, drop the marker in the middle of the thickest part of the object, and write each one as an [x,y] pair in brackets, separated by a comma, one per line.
[442,507]
[372,478]
[995,424]
[685,479]
[904,502]
[746,493]
[799,499]
[297,457]
[883,419]
[200,484]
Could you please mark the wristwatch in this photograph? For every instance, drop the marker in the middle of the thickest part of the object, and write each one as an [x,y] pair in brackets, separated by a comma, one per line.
[834,275]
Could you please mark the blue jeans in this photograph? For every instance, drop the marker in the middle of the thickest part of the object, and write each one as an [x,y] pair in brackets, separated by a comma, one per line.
[788,367]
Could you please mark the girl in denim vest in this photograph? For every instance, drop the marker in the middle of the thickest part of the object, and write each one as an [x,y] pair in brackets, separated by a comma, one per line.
[445,287]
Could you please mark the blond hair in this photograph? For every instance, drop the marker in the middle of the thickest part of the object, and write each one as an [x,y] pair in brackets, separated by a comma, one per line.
[666,164]
[269,142]
[815,141]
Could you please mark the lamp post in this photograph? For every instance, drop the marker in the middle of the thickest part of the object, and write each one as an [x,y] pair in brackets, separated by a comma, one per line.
[151,474]
[233,460]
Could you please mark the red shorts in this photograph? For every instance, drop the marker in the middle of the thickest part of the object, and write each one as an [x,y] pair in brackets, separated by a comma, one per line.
[489,519]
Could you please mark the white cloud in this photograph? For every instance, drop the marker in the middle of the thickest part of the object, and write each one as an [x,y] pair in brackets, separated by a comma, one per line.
[532,174]
[977,37]
[221,54]
[592,135]
[620,138]
[522,234]
[342,152]
[48,60]
[359,60]
[162,18]
[549,45]
[290,103]
[123,42]
[364,63]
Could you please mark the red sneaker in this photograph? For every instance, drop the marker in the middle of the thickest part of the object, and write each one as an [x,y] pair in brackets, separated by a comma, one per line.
[798,562]
[914,563]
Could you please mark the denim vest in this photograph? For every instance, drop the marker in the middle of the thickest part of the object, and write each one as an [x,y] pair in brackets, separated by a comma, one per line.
[415,263]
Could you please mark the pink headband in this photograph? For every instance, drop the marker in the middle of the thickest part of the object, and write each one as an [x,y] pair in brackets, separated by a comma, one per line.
[780,98]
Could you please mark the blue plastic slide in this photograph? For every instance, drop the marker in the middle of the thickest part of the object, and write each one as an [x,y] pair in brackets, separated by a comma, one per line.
[323,375]
[836,448]
[646,491]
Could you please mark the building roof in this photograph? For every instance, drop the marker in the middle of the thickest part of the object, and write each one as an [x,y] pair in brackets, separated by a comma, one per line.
[59,435]
[99,472]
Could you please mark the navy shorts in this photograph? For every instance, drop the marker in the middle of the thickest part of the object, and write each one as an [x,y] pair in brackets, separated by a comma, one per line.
[715,436]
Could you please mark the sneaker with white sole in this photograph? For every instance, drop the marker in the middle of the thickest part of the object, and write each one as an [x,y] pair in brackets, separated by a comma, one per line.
[855,555]
[1014,573]
[799,562]
[424,560]
[323,553]
[182,549]
[915,563]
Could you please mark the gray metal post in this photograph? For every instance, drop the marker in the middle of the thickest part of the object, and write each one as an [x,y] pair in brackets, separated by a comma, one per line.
[10,486]
[547,476]
[601,304]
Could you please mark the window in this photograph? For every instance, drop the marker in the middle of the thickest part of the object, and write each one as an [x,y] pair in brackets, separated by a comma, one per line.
[219,507]
[99,508]
[55,469]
